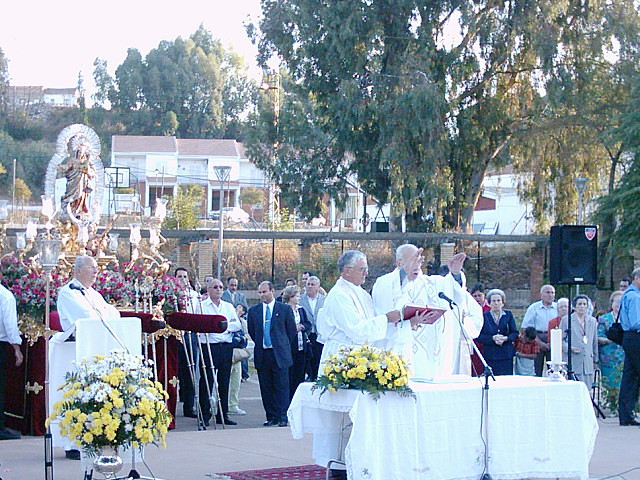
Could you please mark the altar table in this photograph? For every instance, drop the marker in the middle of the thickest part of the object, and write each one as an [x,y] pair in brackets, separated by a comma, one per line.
[535,429]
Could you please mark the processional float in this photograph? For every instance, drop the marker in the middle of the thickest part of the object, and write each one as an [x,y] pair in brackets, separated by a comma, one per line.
[72,207]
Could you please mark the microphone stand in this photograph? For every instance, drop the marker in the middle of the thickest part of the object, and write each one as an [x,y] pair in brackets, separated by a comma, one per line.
[103,321]
[488,372]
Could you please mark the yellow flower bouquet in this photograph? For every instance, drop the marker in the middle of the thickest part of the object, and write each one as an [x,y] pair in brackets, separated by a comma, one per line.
[365,368]
[110,401]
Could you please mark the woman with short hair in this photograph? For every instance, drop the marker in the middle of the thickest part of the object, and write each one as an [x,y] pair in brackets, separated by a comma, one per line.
[300,346]
[498,333]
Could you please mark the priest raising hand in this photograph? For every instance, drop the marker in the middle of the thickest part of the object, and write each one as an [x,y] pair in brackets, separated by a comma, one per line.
[456,262]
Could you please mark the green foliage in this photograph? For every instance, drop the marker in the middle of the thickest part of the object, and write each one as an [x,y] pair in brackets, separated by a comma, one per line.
[282,220]
[184,208]
[32,158]
[23,192]
[4,84]
[193,88]
[103,82]
[251,197]
[419,118]
[622,206]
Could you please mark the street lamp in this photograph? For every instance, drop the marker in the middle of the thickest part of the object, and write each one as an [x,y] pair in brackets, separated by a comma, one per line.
[271,83]
[49,256]
[222,174]
[580,183]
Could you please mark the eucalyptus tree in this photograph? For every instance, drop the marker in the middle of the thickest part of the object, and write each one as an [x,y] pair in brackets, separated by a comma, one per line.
[192,87]
[419,98]
[4,83]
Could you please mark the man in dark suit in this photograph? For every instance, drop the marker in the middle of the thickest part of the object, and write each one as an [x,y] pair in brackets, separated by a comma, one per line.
[232,295]
[273,329]
[312,301]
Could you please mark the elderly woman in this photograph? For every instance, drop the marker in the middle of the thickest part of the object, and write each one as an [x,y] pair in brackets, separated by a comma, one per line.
[611,354]
[584,340]
[300,346]
[498,333]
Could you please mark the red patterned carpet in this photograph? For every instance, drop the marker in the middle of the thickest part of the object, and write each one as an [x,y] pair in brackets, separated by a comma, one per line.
[304,472]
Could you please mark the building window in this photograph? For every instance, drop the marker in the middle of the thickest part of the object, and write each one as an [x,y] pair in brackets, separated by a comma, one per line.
[229,199]
[155,192]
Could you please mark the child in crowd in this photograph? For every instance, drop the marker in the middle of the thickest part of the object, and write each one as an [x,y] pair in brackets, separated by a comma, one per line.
[527,349]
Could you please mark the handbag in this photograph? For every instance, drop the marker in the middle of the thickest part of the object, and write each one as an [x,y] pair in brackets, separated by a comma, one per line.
[239,340]
[615,332]
[240,354]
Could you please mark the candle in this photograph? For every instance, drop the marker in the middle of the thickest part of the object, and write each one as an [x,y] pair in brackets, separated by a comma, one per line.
[556,345]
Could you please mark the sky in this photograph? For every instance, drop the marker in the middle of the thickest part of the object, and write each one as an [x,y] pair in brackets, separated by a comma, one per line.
[48,42]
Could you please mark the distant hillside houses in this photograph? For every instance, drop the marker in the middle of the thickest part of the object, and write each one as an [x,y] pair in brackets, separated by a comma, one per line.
[21,97]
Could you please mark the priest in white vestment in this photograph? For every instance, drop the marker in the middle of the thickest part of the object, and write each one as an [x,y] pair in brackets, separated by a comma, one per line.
[76,300]
[348,317]
[438,350]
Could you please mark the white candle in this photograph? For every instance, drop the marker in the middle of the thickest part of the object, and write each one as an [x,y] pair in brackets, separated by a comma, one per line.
[556,345]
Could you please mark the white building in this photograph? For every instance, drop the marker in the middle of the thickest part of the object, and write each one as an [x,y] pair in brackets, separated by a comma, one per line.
[61,97]
[499,210]
[158,165]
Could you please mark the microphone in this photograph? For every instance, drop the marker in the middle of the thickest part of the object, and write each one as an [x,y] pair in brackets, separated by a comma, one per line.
[76,287]
[444,297]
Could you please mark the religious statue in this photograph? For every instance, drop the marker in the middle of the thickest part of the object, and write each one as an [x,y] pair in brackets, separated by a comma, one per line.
[77,160]
[80,173]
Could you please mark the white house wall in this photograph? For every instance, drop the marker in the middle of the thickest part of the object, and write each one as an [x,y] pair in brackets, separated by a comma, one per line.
[511,214]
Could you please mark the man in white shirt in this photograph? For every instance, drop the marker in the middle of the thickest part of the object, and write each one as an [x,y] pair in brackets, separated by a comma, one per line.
[435,350]
[190,302]
[538,315]
[9,334]
[348,317]
[220,351]
[312,301]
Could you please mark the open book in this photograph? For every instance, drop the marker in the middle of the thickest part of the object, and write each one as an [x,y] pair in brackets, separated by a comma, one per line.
[409,311]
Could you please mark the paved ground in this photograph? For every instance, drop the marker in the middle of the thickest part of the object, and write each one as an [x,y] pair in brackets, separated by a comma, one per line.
[194,455]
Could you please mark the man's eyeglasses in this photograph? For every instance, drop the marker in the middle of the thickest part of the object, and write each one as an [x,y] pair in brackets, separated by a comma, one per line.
[217,287]
[361,269]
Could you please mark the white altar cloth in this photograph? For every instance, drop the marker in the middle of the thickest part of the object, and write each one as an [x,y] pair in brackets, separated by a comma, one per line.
[536,429]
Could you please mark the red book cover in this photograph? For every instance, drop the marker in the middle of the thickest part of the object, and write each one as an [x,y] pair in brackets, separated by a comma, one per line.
[409,311]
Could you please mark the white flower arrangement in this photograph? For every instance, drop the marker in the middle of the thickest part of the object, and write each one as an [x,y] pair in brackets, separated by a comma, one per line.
[111,401]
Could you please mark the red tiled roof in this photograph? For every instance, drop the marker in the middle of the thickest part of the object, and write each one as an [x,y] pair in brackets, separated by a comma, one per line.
[141,143]
[207,147]
[182,146]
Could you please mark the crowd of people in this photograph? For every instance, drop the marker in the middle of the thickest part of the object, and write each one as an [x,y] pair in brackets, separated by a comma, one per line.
[295,332]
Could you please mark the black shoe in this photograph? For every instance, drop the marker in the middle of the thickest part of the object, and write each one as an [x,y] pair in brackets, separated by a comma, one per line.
[72,454]
[282,423]
[269,423]
[227,421]
[6,434]
[629,423]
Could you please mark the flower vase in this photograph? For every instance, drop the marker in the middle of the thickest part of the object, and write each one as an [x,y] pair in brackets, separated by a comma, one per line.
[108,463]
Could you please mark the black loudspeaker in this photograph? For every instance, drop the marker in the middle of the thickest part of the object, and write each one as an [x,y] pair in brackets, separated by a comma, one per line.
[380,227]
[574,255]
